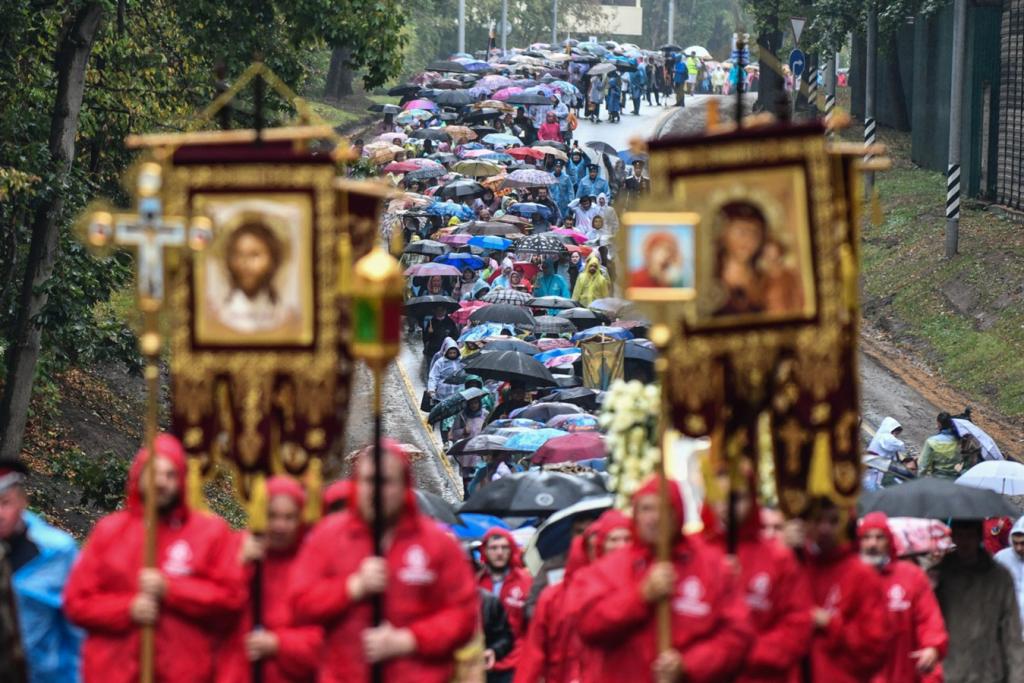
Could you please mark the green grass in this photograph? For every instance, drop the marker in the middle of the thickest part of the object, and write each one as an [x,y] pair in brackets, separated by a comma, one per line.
[907,282]
[351,110]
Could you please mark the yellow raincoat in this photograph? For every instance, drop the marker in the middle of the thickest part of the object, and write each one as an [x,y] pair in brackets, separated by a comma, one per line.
[591,286]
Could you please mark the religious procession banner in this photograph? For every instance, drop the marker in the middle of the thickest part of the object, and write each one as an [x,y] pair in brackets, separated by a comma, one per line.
[747,248]
[604,361]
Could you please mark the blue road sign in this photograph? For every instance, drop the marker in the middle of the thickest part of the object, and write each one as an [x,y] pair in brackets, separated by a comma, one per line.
[797,61]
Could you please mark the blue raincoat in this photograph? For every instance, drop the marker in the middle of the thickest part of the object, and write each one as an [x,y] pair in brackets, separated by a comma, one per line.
[562,192]
[592,188]
[637,81]
[613,101]
[577,171]
[52,645]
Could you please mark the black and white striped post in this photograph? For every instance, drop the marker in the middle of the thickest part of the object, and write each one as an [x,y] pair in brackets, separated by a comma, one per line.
[956,103]
[812,86]
[869,94]
[830,94]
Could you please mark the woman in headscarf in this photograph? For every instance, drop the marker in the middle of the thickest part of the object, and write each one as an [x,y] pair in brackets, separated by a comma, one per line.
[592,284]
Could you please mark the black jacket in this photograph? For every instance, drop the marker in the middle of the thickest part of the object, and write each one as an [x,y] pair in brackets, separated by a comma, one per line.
[497,632]
[434,333]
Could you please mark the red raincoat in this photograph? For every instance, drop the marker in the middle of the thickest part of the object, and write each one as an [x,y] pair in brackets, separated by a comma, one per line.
[552,650]
[915,619]
[298,647]
[431,592]
[709,619]
[514,591]
[852,648]
[777,595]
[204,587]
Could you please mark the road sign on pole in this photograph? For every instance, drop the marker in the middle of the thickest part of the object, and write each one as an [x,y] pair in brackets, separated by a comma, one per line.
[797,61]
[798,27]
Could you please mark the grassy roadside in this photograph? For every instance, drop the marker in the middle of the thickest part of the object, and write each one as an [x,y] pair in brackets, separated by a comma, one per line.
[351,110]
[963,317]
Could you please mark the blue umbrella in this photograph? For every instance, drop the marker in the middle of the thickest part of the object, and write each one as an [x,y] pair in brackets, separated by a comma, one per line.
[499,157]
[492,242]
[628,157]
[517,422]
[532,440]
[502,139]
[529,209]
[477,66]
[613,332]
[461,261]
[555,353]
[475,525]
[460,211]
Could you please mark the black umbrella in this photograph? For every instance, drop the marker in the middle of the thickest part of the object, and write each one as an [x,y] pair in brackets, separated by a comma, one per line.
[559,302]
[385,108]
[602,147]
[568,381]
[422,306]
[433,505]
[404,89]
[483,131]
[584,397]
[625,66]
[611,306]
[539,244]
[583,318]
[530,494]
[935,498]
[511,366]
[542,412]
[479,444]
[442,410]
[635,350]
[448,116]
[483,228]
[527,99]
[446,67]
[552,324]
[511,344]
[444,158]
[671,47]
[503,313]
[452,98]
[461,188]
[438,134]
[482,115]
[560,146]
[425,173]
[427,247]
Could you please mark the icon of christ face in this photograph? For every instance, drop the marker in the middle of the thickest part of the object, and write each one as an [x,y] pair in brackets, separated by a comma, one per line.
[253,257]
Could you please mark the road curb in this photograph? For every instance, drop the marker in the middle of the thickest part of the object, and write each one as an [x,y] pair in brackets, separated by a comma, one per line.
[432,437]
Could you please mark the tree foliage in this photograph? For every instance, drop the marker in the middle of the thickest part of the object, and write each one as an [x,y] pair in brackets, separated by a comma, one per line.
[151,68]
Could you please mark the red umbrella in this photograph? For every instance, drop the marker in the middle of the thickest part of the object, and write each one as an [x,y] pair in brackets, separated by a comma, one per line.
[584,251]
[529,270]
[400,167]
[524,152]
[571,448]
[461,316]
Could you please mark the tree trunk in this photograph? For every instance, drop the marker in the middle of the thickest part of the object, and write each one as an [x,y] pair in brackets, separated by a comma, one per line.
[339,75]
[770,86]
[894,82]
[72,58]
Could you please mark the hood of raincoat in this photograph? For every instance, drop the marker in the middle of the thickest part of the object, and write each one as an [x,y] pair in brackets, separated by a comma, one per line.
[675,499]
[337,492]
[609,521]
[878,521]
[169,447]
[282,485]
[515,560]
[447,345]
[1018,527]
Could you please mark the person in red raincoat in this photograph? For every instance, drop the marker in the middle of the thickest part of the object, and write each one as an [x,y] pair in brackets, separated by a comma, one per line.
[616,599]
[504,575]
[552,651]
[776,589]
[288,653]
[430,597]
[915,620]
[851,638]
[193,593]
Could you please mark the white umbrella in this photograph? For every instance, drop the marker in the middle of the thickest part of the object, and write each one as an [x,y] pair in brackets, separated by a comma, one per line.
[702,53]
[1002,476]
[989,449]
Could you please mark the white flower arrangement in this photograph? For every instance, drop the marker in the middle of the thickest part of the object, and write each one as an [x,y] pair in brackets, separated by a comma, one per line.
[629,418]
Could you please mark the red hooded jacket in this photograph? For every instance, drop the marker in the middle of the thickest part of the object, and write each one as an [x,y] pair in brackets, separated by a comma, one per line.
[514,591]
[709,619]
[852,648]
[430,591]
[298,647]
[915,619]
[204,587]
[552,651]
[777,595]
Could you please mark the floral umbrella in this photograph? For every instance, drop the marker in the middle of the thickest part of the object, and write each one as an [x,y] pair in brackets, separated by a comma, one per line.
[400,167]
[528,177]
[413,115]
[493,83]
[426,163]
[389,138]
[495,104]
[505,93]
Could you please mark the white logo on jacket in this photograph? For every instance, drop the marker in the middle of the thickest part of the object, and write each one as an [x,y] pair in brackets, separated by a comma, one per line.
[415,571]
[898,599]
[515,597]
[179,559]
[691,600]
[759,592]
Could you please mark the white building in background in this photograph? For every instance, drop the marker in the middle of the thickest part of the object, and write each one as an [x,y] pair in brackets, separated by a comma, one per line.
[615,17]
